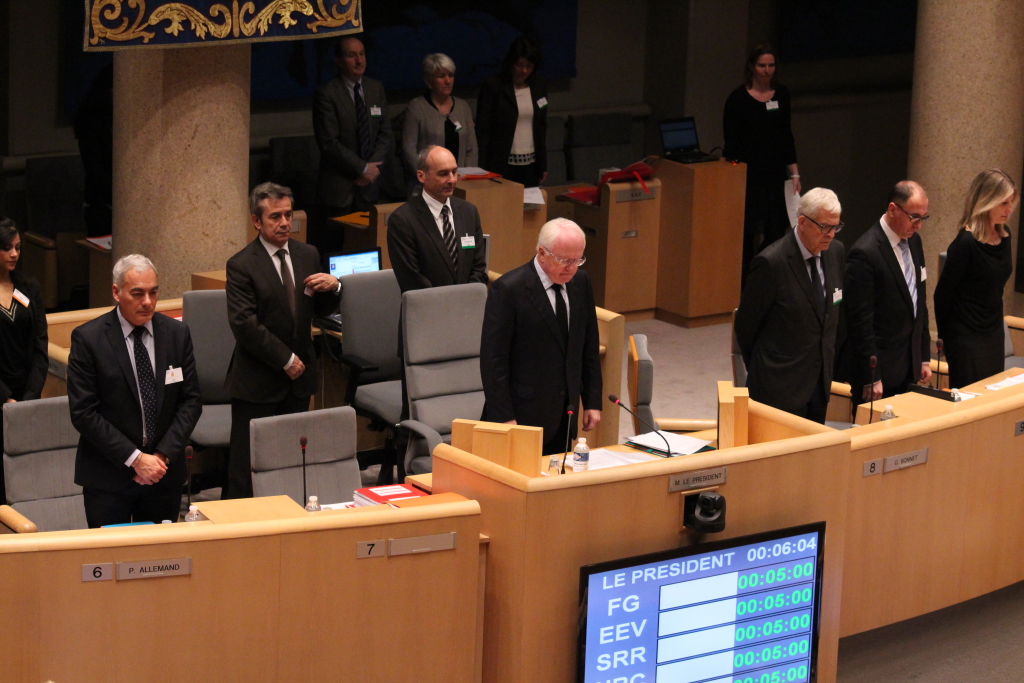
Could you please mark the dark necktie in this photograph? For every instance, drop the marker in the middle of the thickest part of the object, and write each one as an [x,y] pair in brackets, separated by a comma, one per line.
[362,124]
[449,237]
[819,292]
[908,272]
[147,384]
[288,280]
[561,313]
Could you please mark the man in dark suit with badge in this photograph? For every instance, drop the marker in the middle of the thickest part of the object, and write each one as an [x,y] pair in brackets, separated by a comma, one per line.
[887,299]
[134,399]
[540,348]
[435,239]
[789,312]
[274,288]
[353,132]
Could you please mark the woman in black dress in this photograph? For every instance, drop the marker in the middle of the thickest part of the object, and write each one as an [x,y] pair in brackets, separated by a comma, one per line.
[511,117]
[23,341]
[757,132]
[969,296]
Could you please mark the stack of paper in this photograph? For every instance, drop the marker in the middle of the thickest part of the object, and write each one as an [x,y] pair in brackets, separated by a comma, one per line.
[379,495]
[679,443]
[600,458]
[1008,382]
[533,198]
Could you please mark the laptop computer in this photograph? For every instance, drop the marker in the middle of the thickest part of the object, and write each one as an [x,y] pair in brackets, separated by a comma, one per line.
[679,138]
[346,263]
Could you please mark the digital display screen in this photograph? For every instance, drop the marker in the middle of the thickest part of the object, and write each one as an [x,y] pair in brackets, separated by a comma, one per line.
[744,610]
[679,135]
[340,265]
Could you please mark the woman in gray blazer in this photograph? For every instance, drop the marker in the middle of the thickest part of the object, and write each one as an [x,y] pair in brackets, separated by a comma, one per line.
[437,118]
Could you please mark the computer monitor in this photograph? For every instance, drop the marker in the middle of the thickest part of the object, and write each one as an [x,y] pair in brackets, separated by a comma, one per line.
[679,135]
[745,609]
[343,264]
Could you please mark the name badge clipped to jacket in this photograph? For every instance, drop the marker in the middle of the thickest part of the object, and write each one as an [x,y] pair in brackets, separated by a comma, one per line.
[174,375]
[21,298]
[458,126]
[837,297]
[771,105]
[375,111]
[924,274]
[468,242]
[542,102]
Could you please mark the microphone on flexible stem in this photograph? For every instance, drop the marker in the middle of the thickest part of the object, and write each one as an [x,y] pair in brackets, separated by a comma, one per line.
[873,361]
[188,466]
[615,399]
[570,411]
[302,442]
[938,366]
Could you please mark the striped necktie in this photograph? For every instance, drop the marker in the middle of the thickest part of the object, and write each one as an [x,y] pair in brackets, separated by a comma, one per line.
[362,124]
[449,237]
[908,273]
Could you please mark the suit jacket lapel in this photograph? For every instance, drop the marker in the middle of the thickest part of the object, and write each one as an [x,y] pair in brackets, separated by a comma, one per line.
[265,264]
[539,296]
[799,268]
[119,348]
[160,356]
[889,256]
[430,225]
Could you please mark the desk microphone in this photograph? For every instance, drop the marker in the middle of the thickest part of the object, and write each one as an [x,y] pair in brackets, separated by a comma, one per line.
[938,366]
[302,442]
[615,399]
[873,361]
[188,466]
[570,411]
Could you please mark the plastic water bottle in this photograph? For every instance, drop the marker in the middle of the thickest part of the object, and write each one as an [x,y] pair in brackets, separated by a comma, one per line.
[581,456]
[193,514]
[313,505]
[555,465]
[888,414]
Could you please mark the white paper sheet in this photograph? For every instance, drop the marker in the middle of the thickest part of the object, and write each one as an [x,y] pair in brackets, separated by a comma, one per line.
[601,458]
[101,242]
[472,170]
[1008,382]
[533,195]
[679,443]
[337,506]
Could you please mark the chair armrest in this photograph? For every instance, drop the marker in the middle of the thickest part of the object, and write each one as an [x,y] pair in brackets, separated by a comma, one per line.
[432,438]
[15,521]
[937,367]
[356,367]
[676,425]
[841,389]
[1013,322]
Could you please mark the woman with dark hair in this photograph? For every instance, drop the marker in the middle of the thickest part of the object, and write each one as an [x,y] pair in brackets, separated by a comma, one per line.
[23,340]
[969,296]
[757,132]
[511,117]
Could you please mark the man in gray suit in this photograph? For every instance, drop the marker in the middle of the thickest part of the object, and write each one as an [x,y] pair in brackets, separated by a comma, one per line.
[353,132]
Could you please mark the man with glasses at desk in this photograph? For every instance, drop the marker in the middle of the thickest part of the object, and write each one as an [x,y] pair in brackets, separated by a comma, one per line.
[789,311]
[886,299]
[540,351]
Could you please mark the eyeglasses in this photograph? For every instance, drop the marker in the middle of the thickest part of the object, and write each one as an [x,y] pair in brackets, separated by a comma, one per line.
[566,261]
[914,218]
[837,228]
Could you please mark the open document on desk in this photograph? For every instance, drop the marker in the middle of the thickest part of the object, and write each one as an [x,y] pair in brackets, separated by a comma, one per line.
[679,443]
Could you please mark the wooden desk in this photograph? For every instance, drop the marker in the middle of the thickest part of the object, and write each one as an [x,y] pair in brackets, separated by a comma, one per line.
[273,601]
[701,240]
[500,203]
[101,266]
[626,511]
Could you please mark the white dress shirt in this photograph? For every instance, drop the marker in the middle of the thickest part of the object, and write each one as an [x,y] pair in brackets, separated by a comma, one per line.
[817,260]
[129,339]
[546,281]
[894,242]
[435,210]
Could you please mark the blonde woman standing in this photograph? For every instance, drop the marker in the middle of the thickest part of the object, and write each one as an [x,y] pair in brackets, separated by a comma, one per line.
[969,296]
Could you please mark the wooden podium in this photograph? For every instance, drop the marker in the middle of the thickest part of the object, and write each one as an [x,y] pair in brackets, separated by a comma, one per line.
[500,203]
[701,241]
[622,246]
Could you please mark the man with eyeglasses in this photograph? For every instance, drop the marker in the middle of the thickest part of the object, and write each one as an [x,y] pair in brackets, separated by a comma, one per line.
[540,351]
[789,311]
[886,299]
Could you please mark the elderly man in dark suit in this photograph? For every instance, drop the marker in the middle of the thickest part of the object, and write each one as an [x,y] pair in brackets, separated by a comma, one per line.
[886,299]
[134,398]
[353,132]
[789,312]
[274,288]
[435,239]
[539,349]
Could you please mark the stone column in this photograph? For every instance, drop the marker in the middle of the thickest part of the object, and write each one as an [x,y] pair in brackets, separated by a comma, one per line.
[181,158]
[967,109]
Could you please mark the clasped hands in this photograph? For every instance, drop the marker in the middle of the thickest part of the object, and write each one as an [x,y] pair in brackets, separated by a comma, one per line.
[149,469]
[371,173]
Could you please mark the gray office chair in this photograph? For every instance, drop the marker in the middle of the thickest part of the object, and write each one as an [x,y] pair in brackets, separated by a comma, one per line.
[371,304]
[39,463]
[442,365]
[640,383]
[332,471]
[206,314]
